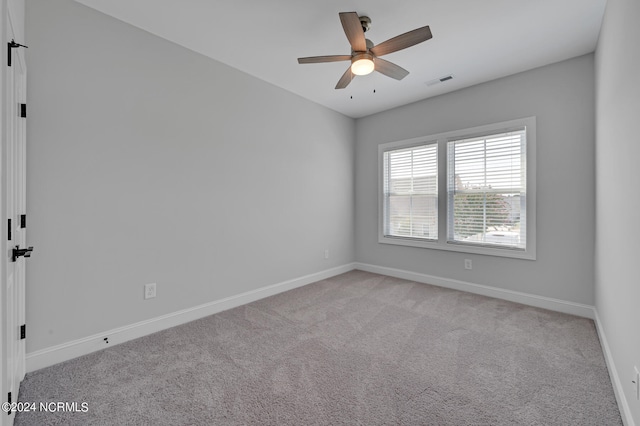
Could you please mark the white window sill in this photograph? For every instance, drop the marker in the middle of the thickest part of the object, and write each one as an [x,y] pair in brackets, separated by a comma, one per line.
[529,254]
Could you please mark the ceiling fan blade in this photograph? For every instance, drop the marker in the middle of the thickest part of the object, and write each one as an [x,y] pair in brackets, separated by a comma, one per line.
[353,29]
[402,41]
[390,69]
[319,59]
[345,79]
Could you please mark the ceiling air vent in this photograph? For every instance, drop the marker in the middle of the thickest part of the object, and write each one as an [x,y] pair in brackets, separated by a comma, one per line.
[439,80]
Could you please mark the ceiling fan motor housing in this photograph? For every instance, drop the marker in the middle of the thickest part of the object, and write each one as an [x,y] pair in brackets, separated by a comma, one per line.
[369,46]
[361,55]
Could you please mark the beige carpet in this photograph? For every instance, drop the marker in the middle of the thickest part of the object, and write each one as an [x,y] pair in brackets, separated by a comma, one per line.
[358,348]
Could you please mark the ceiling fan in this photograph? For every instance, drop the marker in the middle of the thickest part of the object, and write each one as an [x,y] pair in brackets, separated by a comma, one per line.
[365,57]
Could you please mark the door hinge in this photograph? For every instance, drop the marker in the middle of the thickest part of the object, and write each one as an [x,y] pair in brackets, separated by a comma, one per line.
[23,221]
[12,45]
[23,331]
[9,401]
[9,231]
[23,110]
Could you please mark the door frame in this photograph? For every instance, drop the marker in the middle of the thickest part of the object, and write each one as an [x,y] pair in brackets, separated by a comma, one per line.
[12,19]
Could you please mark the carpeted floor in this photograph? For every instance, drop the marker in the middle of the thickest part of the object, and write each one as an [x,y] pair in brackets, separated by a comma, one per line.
[358,348]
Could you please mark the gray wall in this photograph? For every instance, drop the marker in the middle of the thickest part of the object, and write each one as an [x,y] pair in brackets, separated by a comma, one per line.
[561,96]
[151,163]
[617,285]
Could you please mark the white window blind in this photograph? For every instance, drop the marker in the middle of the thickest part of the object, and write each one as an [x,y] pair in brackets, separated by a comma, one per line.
[486,190]
[410,192]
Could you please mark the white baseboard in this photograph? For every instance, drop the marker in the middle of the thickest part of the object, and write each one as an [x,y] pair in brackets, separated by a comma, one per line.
[499,293]
[69,350]
[66,351]
[618,390]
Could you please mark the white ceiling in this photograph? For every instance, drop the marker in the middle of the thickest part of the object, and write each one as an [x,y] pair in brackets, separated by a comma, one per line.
[474,40]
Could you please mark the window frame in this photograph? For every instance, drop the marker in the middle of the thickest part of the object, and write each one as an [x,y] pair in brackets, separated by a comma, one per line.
[385,200]
[442,140]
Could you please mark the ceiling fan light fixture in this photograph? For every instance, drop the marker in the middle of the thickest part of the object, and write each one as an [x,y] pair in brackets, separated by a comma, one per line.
[362,64]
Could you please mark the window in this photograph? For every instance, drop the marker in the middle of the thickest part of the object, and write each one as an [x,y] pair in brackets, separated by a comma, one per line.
[411,192]
[486,190]
[488,206]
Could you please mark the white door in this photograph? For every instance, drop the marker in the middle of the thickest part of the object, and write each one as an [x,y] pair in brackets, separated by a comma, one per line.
[13,200]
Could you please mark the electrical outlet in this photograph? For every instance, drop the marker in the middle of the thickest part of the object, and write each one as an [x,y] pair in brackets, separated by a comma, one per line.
[636,382]
[150,291]
[326,253]
[468,264]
